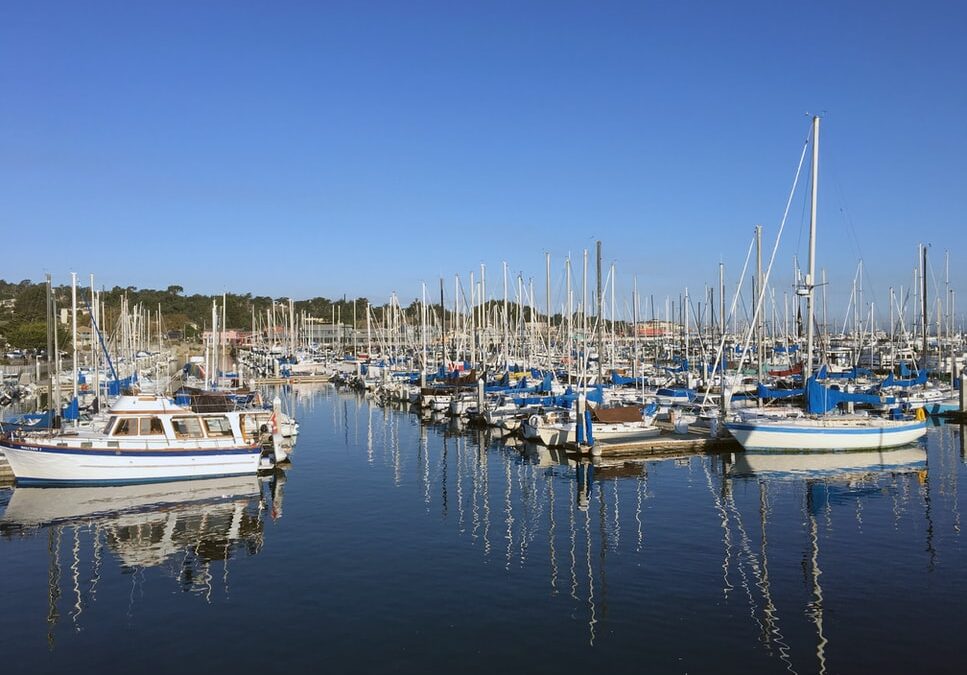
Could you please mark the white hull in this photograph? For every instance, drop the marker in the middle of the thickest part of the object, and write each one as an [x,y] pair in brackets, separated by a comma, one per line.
[823,434]
[555,435]
[550,434]
[32,465]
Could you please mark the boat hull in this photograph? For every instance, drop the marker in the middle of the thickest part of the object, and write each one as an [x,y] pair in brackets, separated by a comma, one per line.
[36,464]
[824,436]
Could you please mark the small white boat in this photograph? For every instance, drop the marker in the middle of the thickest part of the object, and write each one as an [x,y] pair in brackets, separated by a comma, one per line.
[553,428]
[146,439]
[821,433]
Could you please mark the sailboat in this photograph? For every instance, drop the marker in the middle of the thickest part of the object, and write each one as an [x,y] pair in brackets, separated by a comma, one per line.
[815,429]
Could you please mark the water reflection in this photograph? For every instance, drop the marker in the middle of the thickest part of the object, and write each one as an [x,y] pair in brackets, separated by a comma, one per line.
[770,558]
[827,479]
[180,527]
[584,514]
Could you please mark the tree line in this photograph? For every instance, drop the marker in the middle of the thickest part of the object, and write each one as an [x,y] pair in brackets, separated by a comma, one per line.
[23,309]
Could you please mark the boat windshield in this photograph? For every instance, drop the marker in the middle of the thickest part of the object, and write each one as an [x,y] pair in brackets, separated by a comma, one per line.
[218,426]
[151,426]
[126,426]
[187,427]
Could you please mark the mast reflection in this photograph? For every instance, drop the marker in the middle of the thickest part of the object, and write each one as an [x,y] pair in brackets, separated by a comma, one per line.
[182,527]
[824,478]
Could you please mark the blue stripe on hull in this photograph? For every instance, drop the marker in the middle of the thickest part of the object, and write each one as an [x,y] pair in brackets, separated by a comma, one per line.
[827,431]
[39,482]
[119,452]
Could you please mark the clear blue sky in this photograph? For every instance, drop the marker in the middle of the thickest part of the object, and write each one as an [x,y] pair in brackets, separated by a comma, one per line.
[323,148]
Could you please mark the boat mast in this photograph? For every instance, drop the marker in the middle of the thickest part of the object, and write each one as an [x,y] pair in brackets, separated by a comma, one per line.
[810,274]
[759,350]
[923,305]
[74,342]
[600,317]
[547,298]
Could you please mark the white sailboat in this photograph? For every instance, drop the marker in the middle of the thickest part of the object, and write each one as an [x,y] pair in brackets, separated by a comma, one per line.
[824,432]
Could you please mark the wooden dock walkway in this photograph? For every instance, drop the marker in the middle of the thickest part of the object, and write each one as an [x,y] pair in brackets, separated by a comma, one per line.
[6,473]
[695,442]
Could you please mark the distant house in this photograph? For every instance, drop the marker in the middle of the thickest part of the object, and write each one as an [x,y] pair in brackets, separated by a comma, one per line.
[656,330]
[231,337]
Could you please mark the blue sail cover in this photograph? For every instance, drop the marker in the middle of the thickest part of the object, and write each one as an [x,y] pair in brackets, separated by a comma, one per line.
[891,381]
[566,400]
[28,421]
[821,399]
[115,387]
[71,411]
[763,391]
[621,380]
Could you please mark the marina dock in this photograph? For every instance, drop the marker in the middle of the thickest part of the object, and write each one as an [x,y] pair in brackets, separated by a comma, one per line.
[668,445]
[6,474]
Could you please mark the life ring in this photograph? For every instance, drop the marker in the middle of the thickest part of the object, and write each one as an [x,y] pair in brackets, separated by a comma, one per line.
[533,421]
[920,415]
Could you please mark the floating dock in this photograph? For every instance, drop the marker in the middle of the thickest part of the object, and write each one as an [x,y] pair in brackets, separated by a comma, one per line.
[667,444]
[6,473]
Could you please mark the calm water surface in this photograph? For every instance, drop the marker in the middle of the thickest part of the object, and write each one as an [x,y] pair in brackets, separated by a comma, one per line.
[398,547]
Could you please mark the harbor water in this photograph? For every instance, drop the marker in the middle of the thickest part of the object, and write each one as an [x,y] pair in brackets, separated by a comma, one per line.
[395,545]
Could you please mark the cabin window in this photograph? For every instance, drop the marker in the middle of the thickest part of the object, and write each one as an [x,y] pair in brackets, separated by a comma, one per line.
[110,424]
[151,426]
[218,426]
[187,427]
[126,426]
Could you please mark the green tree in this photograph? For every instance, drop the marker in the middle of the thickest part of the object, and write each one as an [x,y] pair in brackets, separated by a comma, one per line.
[33,335]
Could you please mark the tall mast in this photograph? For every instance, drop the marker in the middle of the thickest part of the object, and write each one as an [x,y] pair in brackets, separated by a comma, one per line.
[443,326]
[634,324]
[600,317]
[760,291]
[547,272]
[570,311]
[74,339]
[721,299]
[923,302]
[423,334]
[505,350]
[92,309]
[810,274]
[614,352]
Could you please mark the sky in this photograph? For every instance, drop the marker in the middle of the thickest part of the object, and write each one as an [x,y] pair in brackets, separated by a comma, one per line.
[326,148]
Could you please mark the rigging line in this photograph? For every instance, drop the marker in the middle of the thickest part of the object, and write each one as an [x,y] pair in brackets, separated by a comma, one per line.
[772,257]
[849,305]
[843,209]
[735,299]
